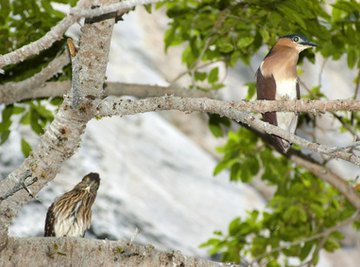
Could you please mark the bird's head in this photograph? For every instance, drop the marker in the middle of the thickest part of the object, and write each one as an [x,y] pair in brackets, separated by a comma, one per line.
[295,41]
[90,183]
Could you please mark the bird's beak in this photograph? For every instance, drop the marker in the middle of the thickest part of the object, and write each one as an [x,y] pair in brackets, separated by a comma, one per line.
[308,44]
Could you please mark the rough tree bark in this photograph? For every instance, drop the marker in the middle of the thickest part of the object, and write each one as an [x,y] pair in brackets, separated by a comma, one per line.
[52,251]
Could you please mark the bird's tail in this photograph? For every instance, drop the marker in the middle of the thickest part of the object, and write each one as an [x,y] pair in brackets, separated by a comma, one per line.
[281,144]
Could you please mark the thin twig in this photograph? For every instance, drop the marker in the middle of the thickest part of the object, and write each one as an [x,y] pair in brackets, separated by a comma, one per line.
[20,185]
[182,74]
[355,144]
[56,33]
[10,92]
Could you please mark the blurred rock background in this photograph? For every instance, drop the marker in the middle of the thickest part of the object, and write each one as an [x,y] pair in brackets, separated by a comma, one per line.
[157,184]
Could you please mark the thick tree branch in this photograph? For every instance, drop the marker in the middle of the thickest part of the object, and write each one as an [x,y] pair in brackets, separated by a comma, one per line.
[50,251]
[61,88]
[54,89]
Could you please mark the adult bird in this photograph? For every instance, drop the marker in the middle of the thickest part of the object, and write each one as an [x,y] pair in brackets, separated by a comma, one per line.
[276,79]
[70,214]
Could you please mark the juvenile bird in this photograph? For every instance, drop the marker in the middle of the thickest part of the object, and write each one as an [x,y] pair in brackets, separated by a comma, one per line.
[276,79]
[70,214]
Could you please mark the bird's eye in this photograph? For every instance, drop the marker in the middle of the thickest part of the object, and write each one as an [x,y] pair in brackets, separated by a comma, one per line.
[295,39]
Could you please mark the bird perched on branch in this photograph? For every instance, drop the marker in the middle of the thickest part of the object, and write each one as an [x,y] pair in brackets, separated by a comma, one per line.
[70,214]
[276,79]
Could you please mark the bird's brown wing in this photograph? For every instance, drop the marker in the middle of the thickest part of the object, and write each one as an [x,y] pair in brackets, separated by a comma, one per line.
[266,90]
[50,222]
[297,90]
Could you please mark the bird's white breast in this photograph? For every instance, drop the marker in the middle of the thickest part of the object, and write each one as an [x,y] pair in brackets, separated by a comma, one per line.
[286,89]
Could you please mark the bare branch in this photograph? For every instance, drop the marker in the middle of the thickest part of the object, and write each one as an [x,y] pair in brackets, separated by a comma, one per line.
[61,88]
[56,33]
[34,48]
[90,13]
[353,145]
[16,91]
[117,106]
[52,89]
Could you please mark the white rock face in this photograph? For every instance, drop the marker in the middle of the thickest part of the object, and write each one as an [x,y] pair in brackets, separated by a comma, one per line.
[153,177]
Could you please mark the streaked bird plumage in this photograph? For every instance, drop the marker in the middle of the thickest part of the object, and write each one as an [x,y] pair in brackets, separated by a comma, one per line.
[70,214]
[276,79]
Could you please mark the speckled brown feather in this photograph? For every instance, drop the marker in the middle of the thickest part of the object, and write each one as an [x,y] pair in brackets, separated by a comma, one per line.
[49,222]
[70,214]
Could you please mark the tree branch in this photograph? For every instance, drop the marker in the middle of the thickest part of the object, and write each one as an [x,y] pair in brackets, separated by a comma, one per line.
[117,106]
[61,88]
[65,251]
[82,9]
[34,48]
[16,91]
[107,9]
[53,89]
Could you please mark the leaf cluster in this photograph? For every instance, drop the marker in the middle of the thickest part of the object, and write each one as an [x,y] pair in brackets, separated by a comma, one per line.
[36,114]
[295,220]
[232,31]
[303,206]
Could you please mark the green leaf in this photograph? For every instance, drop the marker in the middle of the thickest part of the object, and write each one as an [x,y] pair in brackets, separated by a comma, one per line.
[25,147]
[213,75]
[217,124]
[34,122]
[18,110]
[234,226]
[200,76]
[56,101]
[25,119]
[226,47]
[43,112]
[148,8]
[251,90]
[331,245]
[216,130]
[7,112]
[305,250]
[273,263]
[4,136]
[245,42]
[351,58]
